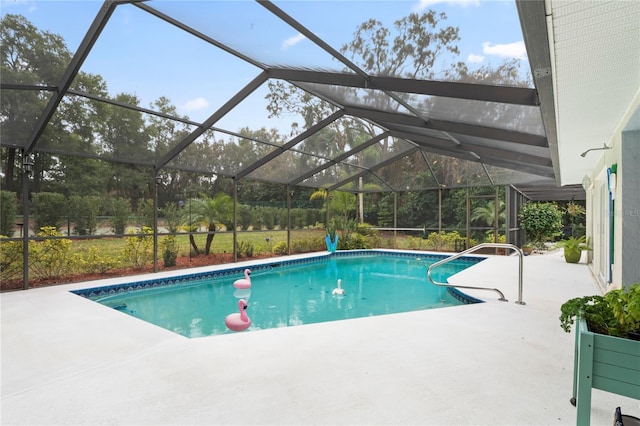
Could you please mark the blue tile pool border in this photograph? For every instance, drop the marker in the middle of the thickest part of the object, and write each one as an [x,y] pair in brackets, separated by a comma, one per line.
[97,292]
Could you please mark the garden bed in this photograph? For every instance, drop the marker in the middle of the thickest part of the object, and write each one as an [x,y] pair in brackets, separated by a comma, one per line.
[182,262]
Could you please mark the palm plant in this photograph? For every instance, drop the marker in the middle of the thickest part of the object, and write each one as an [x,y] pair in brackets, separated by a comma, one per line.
[340,202]
[213,211]
[486,214]
[573,248]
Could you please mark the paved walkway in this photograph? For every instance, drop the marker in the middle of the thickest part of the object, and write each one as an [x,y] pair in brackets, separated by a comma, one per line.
[67,360]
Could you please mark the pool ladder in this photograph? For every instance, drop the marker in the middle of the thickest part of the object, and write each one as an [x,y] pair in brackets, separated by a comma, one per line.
[472,249]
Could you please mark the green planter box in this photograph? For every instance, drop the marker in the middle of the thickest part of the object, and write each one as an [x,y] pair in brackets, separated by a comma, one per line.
[608,363]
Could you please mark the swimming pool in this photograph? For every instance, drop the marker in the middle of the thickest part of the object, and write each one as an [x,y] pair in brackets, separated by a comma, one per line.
[289,293]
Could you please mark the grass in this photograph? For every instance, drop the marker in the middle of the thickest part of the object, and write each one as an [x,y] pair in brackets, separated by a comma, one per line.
[222,241]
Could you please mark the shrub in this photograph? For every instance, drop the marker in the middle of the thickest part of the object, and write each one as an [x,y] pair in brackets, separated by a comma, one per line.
[280,248]
[298,218]
[93,261]
[306,245]
[120,210]
[8,209]
[414,243]
[245,248]
[10,259]
[443,241]
[171,214]
[266,216]
[355,241]
[259,220]
[279,217]
[138,250]
[540,221]
[245,216]
[48,209]
[84,213]
[366,230]
[170,250]
[490,238]
[146,215]
[313,216]
[50,258]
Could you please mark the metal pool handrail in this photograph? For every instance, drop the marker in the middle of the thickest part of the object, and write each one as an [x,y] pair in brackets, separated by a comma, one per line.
[472,249]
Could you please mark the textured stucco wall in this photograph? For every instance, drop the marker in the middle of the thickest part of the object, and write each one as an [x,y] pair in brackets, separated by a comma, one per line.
[630,206]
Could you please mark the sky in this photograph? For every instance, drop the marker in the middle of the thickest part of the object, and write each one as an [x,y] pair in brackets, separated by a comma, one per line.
[142,55]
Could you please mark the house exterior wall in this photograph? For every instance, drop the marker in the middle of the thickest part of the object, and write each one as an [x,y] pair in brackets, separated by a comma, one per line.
[630,207]
[621,266]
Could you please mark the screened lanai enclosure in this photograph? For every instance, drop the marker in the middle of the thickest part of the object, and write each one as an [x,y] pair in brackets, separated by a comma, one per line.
[288,119]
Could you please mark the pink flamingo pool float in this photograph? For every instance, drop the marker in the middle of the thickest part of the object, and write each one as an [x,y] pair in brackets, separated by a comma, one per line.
[244,282]
[338,290]
[239,321]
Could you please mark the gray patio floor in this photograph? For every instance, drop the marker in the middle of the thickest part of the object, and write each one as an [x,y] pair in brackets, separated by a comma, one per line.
[67,360]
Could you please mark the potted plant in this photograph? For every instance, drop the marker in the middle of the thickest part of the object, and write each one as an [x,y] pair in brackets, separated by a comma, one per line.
[617,313]
[527,249]
[607,350]
[573,248]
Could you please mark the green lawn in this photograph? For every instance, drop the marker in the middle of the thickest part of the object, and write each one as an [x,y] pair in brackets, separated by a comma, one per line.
[222,241]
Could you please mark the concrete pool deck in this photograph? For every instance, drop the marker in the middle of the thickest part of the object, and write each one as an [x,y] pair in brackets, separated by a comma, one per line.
[67,360]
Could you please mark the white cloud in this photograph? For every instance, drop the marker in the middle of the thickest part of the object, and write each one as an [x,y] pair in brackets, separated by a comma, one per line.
[292,41]
[423,4]
[475,59]
[31,6]
[196,104]
[509,50]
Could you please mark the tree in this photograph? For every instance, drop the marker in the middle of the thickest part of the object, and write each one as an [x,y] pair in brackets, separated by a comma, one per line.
[414,48]
[163,135]
[34,57]
[124,138]
[210,212]
[71,175]
[419,208]
[76,129]
[8,208]
[540,221]
[29,57]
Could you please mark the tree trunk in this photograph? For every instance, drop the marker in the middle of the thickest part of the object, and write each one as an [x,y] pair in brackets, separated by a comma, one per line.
[210,235]
[193,244]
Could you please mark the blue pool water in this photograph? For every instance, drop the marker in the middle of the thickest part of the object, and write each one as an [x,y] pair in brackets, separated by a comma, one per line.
[289,293]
